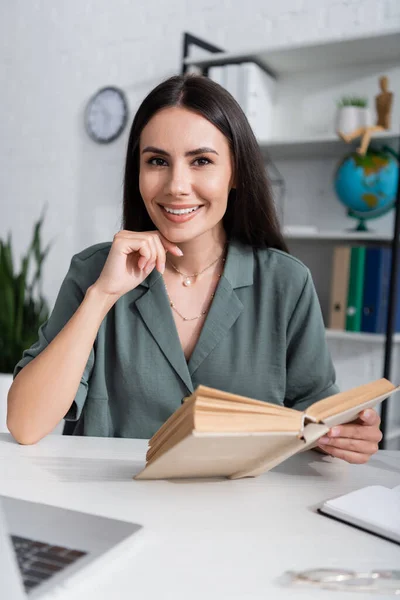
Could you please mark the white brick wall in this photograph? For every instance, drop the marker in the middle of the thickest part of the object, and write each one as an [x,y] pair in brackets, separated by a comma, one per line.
[54,55]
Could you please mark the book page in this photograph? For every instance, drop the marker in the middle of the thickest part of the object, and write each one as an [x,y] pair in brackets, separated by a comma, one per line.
[205,393]
[177,417]
[226,406]
[241,422]
[173,436]
[356,397]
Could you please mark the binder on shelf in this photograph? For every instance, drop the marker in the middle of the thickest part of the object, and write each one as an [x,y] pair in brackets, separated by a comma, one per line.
[258,97]
[253,89]
[376,290]
[232,81]
[217,74]
[339,287]
[355,288]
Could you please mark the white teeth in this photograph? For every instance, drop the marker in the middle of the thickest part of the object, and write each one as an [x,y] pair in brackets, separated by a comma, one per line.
[181,211]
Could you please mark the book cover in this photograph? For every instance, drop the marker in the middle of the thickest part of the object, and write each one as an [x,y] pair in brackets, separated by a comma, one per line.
[355,288]
[376,290]
[258,99]
[339,287]
[217,74]
[232,82]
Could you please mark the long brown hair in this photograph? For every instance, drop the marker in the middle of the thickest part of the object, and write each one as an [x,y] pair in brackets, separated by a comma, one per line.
[250,216]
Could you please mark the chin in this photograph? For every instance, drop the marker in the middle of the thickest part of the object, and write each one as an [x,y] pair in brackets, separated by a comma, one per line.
[178,235]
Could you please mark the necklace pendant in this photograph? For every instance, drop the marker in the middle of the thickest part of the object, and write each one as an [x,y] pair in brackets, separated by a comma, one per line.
[187,282]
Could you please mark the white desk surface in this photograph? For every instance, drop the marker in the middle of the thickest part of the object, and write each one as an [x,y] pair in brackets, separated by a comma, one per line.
[204,539]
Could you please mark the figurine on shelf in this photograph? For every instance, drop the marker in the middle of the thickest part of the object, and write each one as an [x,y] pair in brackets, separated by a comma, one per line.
[383,105]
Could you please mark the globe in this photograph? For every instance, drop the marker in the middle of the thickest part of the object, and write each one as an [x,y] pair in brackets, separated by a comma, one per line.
[367,185]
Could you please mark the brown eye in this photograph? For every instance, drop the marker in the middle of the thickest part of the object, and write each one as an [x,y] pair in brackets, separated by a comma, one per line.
[202,161]
[157,162]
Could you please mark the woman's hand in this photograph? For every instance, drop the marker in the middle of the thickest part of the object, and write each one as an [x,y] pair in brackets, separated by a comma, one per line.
[133,255]
[354,442]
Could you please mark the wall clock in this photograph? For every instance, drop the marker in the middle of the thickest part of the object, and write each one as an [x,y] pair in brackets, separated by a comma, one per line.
[106,115]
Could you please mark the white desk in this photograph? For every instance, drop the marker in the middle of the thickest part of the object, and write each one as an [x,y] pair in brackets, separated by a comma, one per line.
[204,540]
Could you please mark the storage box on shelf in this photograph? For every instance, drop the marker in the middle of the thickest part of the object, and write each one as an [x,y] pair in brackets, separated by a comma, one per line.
[304,83]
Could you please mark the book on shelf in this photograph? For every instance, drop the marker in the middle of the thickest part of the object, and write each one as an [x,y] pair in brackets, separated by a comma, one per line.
[220,434]
[253,89]
[355,288]
[218,74]
[359,294]
[339,287]
[376,290]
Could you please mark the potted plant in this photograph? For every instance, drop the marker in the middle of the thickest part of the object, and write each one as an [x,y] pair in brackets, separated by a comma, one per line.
[352,113]
[22,307]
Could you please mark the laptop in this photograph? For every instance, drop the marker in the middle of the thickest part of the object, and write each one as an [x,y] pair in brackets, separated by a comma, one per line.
[44,547]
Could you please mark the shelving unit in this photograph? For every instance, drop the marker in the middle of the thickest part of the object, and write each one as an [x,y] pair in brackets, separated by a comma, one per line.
[371,338]
[301,137]
[332,235]
[279,62]
[317,145]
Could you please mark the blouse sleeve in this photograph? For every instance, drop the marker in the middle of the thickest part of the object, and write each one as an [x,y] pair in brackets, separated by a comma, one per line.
[310,375]
[69,298]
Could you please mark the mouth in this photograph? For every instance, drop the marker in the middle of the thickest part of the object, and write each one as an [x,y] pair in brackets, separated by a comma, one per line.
[181,214]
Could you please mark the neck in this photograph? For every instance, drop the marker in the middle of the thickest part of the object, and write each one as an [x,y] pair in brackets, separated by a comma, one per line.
[199,253]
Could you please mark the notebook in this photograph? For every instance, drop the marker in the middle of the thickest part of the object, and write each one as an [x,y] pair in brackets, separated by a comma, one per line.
[374,508]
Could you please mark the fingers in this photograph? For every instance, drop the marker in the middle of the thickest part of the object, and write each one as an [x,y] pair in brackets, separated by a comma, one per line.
[354,442]
[369,417]
[151,246]
[126,244]
[154,255]
[356,432]
[356,458]
[337,446]
[160,262]
[169,246]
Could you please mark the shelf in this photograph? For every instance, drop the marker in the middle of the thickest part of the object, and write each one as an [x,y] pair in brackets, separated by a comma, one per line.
[341,235]
[336,334]
[376,49]
[320,146]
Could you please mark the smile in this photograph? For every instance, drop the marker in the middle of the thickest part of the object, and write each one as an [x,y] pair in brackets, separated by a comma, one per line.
[180,215]
[180,211]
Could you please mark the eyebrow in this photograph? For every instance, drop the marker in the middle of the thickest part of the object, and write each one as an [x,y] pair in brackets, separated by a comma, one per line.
[202,150]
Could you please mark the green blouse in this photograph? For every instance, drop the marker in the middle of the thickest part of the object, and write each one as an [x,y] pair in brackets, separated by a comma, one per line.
[263,337]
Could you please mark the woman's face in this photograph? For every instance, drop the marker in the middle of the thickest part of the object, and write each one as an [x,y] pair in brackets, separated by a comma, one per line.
[185,175]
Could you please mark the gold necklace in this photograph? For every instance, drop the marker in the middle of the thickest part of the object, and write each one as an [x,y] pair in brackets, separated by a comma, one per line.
[187,278]
[203,312]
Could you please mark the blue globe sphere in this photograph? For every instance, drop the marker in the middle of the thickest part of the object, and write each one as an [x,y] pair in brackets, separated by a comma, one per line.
[367,185]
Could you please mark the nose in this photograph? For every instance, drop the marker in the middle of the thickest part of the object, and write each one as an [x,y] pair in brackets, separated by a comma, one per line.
[178,182]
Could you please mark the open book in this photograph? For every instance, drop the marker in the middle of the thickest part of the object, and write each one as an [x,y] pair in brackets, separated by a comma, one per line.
[216,433]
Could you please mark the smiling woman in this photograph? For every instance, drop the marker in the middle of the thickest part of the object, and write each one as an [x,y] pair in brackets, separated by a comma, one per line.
[180,182]
[197,288]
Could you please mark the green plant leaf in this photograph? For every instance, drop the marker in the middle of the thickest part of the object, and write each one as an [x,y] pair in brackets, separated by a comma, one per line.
[22,307]
[359,101]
